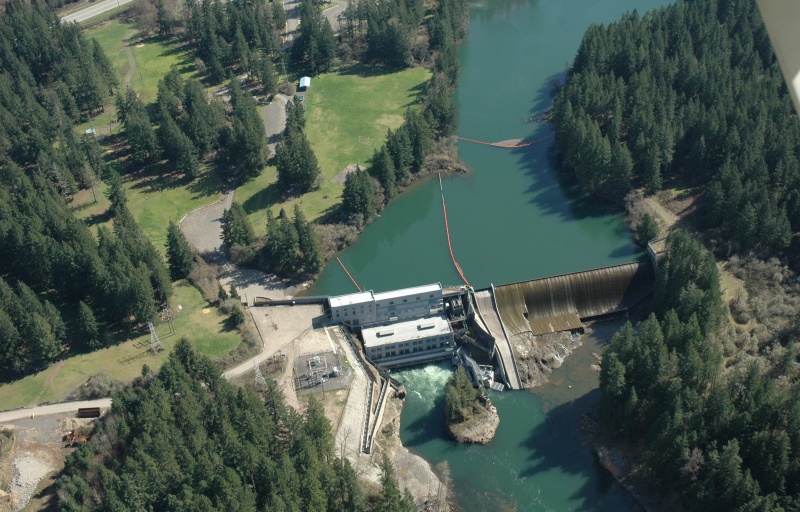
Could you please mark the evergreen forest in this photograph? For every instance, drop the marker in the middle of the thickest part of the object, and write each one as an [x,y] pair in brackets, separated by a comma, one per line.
[186,439]
[689,95]
[719,429]
[59,283]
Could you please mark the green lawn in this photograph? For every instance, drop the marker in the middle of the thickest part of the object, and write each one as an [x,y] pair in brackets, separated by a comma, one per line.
[204,326]
[156,195]
[152,56]
[347,116]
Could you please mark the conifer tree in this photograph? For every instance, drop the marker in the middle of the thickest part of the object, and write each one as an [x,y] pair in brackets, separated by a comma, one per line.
[236,229]
[246,144]
[358,197]
[383,169]
[179,254]
[88,328]
[646,229]
[307,243]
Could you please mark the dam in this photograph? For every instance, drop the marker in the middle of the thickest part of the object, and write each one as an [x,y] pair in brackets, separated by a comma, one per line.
[427,323]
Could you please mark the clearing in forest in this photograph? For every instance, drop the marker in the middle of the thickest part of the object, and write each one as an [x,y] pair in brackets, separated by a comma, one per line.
[210,333]
[347,115]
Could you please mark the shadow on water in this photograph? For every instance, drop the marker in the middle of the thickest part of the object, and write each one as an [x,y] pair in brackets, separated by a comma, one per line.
[553,447]
[487,9]
[554,190]
[427,427]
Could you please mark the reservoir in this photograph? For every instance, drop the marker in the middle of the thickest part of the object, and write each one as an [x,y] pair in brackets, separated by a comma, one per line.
[512,218]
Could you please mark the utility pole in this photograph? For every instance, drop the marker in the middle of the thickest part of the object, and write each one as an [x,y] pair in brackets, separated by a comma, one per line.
[261,382]
[155,343]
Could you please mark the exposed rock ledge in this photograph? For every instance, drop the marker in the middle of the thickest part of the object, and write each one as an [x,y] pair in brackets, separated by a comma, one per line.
[537,356]
[480,427]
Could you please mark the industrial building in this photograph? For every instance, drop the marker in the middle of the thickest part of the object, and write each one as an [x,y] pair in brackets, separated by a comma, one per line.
[398,327]
[366,308]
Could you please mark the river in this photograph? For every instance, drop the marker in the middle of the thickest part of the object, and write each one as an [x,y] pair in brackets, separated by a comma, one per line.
[511,219]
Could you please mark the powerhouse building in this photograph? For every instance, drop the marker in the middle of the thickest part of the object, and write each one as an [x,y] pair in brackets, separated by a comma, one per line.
[398,327]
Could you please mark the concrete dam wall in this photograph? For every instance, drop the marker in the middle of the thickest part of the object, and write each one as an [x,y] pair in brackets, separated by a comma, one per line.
[559,303]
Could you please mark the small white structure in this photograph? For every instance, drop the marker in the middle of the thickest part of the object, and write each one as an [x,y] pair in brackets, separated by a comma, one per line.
[90,132]
[305,83]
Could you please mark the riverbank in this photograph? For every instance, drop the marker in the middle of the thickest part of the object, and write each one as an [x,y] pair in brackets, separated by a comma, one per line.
[627,468]
[337,233]
[431,491]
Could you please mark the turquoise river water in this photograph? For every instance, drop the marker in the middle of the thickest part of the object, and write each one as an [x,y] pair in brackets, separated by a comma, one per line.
[512,218]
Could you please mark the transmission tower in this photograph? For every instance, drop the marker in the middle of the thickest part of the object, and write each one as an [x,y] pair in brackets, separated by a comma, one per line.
[261,382]
[155,343]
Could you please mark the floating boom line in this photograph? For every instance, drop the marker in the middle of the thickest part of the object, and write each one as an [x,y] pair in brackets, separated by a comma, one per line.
[447,230]
[348,274]
[508,144]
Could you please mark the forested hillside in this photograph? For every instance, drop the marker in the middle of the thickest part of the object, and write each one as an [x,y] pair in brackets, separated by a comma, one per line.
[717,423]
[692,94]
[185,439]
[58,282]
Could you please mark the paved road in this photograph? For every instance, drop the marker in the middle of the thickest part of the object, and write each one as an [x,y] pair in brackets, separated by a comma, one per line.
[333,13]
[64,408]
[94,10]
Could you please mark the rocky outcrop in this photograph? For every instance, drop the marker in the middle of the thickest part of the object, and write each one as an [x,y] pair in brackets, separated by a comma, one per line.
[537,356]
[479,426]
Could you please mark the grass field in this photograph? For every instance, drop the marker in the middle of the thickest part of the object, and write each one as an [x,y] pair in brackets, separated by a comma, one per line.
[204,326]
[155,194]
[347,116]
[152,56]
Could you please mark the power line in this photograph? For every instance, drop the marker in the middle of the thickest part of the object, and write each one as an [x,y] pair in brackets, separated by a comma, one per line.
[261,382]
[155,343]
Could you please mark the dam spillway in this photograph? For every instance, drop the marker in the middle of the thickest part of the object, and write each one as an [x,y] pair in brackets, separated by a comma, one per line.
[560,303]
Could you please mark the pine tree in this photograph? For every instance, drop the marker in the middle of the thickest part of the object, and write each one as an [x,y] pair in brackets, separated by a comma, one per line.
[646,229]
[358,197]
[88,329]
[246,148]
[179,254]
[307,243]
[391,499]
[383,169]
[296,162]
[236,229]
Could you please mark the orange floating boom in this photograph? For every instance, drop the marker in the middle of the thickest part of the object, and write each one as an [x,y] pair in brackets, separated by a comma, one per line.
[348,274]
[447,230]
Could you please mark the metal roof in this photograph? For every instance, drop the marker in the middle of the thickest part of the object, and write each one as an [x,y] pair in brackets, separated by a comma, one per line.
[407,292]
[350,299]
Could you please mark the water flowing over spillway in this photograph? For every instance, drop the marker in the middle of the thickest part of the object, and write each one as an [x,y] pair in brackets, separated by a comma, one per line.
[513,218]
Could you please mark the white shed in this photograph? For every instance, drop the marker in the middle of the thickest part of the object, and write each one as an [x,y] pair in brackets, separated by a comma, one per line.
[305,83]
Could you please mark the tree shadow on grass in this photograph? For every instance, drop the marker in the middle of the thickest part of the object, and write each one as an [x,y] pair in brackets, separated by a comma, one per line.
[368,70]
[263,199]
[208,184]
[417,94]
[161,176]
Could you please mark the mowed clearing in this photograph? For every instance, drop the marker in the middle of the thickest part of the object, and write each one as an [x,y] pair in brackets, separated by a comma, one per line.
[155,193]
[204,326]
[347,115]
